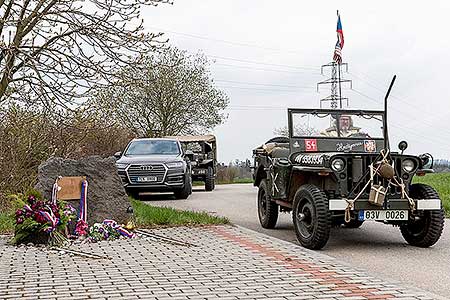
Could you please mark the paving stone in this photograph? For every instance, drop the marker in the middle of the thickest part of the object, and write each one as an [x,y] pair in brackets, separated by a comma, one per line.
[227,263]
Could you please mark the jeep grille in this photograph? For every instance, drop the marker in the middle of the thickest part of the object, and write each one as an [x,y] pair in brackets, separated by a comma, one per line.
[358,166]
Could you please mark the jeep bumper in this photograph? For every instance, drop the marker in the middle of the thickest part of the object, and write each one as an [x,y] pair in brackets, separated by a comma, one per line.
[421,204]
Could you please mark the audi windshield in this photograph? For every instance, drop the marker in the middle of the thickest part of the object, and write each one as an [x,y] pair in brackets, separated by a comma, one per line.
[153,147]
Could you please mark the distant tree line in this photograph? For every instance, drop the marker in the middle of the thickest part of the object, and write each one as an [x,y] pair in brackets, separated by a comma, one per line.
[441,165]
[236,170]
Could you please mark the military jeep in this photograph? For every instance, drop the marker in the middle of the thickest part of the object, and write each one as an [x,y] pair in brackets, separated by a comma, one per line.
[336,169]
[202,152]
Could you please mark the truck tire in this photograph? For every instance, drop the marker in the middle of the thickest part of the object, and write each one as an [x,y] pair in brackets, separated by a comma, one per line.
[311,217]
[186,190]
[426,231]
[267,209]
[209,179]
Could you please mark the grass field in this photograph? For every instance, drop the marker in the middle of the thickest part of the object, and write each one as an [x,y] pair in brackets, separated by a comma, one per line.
[146,215]
[441,183]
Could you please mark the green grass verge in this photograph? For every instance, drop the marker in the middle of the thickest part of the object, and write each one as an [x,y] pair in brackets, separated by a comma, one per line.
[441,183]
[146,215]
[6,223]
[237,181]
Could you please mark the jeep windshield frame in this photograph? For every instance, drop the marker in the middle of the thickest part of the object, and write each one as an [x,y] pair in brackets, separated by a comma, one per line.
[311,139]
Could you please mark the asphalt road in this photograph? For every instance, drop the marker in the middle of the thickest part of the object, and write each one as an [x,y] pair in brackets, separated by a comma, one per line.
[377,248]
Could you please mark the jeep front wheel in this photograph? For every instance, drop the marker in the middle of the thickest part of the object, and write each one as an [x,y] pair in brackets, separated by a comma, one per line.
[311,217]
[209,179]
[426,229]
[267,209]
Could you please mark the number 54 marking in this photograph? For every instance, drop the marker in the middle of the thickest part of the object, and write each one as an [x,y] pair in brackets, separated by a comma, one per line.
[310,145]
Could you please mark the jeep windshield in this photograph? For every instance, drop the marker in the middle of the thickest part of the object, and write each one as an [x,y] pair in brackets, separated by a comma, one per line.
[152,147]
[346,124]
[335,130]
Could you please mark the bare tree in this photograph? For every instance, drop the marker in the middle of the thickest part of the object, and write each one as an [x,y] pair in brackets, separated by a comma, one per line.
[56,51]
[172,93]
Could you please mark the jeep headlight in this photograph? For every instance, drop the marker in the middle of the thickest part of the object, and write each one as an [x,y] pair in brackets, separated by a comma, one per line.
[408,165]
[337,164]
[121,166]
[174,164]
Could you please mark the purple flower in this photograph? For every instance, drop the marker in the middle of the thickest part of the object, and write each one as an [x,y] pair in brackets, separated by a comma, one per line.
[19,212]
[19,220]
[31,199]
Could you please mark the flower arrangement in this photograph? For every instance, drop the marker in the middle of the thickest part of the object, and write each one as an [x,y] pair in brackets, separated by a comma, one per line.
[40,221]
[108,230]
[101,231]
[82,228]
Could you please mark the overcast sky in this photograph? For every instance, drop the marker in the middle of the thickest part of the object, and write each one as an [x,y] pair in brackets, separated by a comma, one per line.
[267,57]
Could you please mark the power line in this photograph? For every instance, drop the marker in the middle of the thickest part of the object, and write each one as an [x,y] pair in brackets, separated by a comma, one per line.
[268,70]
[264,84]
[259,89]
[263,63]
[396,125]
[267,108]
[397,110]
[234,43]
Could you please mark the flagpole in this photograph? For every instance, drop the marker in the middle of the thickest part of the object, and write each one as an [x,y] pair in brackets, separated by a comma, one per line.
[339,80]
[339,74]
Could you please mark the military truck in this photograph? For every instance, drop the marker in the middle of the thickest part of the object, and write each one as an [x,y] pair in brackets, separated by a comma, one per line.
[336,168]
[202,152]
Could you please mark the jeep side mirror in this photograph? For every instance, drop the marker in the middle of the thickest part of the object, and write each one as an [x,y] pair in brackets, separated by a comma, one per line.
[402,146]
[118,154]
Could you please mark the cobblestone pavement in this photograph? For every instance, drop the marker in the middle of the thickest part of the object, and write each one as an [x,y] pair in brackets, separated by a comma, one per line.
[225,263]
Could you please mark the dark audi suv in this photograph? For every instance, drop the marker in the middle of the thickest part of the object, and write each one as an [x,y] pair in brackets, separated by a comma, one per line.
[154,165]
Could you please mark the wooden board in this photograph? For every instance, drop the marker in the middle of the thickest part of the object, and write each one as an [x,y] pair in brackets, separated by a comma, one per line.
[70,188]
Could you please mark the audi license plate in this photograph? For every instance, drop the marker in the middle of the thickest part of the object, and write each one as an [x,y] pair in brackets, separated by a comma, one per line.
[383,215]
[147,179]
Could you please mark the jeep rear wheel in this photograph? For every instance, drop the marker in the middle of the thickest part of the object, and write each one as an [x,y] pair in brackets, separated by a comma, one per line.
[209,179]
[267,209]
[425,230]
[311,217]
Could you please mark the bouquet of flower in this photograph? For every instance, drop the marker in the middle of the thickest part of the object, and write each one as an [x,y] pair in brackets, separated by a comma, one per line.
[101,231]
[38,220]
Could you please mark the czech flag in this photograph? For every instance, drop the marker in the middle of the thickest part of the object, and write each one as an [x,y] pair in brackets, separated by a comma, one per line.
[337,57]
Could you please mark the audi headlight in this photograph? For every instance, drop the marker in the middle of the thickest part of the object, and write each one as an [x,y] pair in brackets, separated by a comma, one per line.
[121,166]
[408,165]
[338,165]
[175,164]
